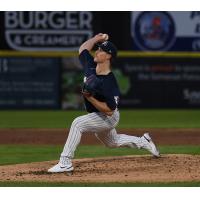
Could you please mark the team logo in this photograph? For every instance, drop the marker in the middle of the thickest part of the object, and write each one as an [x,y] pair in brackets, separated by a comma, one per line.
[154,31]
[105,43]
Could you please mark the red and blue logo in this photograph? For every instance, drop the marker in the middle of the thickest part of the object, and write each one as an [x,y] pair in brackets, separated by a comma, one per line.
[154,31]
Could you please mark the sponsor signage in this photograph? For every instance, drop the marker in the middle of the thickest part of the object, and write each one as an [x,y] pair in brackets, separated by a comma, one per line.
[29,83]
[166,31]
[43,30]
[160,83]
[192,96]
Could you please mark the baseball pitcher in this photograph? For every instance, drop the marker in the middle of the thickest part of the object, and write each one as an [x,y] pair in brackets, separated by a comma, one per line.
[101,95]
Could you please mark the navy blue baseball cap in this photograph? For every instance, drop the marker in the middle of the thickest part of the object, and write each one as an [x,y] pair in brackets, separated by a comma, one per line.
[109,48]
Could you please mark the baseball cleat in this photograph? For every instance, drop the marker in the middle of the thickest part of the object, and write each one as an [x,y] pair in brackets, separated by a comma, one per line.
[148,144]
[60,168]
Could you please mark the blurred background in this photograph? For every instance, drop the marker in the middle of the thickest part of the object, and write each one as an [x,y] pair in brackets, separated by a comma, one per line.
[158,64]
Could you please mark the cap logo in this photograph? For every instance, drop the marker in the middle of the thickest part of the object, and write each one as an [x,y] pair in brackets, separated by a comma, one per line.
[105,43]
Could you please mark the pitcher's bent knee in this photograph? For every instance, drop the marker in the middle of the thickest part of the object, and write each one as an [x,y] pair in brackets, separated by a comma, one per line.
[78,123]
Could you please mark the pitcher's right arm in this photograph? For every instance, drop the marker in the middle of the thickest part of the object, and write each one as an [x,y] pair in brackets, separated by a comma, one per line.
[89,44]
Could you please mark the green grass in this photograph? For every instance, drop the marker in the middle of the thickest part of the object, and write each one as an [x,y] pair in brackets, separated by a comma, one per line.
[37,119]
[15,154]
[151,118]
[65,184]
[160,119]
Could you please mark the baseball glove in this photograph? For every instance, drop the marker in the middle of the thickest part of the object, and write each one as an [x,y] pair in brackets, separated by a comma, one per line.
[91,86]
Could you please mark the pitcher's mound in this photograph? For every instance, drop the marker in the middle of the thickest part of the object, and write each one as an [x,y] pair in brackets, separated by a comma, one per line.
[168,168]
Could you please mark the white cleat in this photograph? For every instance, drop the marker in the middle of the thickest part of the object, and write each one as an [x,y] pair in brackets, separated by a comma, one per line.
[148,144]
[60,168]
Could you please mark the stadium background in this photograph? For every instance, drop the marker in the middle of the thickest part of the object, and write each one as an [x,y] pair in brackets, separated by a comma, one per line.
[40,81]
[158,64]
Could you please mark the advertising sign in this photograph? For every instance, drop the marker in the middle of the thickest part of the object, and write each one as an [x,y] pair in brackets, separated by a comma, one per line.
[166,31]
[47,30]
[160,83]
[29,83]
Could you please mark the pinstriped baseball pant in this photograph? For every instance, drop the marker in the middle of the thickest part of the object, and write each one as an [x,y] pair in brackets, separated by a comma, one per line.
[103,127]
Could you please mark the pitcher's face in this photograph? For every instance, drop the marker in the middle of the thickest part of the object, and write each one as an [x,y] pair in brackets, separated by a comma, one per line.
[101,56]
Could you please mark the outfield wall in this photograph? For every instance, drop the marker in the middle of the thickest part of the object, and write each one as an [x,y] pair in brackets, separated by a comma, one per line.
[53,80]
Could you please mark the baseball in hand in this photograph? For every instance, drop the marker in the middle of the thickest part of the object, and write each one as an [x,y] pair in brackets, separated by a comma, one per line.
[105,36]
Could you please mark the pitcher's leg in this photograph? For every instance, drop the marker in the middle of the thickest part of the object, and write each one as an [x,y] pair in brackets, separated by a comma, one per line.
[92,122]
[73,139]
[79,125]
[112,139]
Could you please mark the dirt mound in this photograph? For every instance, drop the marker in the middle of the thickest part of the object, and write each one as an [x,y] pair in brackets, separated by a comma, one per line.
[168,168]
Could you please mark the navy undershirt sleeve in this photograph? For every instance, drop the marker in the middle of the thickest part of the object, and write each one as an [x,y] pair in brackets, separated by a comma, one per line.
[87,61]
[111,103]
[109,96]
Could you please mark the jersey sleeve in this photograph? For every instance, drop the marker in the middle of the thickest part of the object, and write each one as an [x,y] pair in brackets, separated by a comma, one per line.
[87,61]
[111,97]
